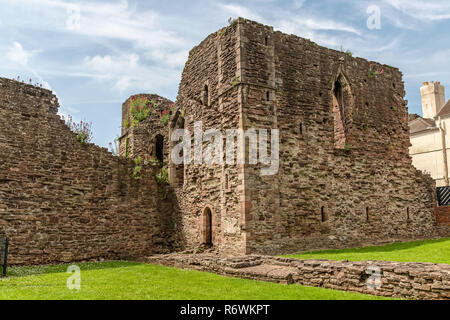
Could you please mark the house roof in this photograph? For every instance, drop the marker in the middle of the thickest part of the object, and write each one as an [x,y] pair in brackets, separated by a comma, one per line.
[421,124]
[445,111]
[412,116]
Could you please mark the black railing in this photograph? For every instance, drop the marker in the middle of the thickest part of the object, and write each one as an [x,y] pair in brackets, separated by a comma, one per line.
[443,196]
[4,243]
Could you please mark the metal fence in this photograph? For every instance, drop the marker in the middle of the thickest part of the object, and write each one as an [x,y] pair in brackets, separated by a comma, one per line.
[443,196]
[4,243]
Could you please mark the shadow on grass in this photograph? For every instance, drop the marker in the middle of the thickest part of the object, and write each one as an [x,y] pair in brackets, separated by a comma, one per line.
[23,271]
[383,248]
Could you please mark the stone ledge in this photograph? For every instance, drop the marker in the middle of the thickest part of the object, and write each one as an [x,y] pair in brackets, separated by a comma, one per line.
[422,281]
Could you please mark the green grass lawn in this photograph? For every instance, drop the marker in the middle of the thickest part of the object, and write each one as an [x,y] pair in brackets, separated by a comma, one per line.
[136,281]
[436,251]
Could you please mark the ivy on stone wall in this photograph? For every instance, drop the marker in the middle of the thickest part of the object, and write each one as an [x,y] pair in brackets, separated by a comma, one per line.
[126,123]
[137,169]
[162,177]
[141,109]
[165,119]
[127,147]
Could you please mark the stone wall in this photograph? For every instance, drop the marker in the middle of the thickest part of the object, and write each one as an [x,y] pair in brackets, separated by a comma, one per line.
[209,92]
[61,201]
[421,281]
[355,189]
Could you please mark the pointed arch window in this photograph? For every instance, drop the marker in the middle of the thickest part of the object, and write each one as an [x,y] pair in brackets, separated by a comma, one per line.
[340,108]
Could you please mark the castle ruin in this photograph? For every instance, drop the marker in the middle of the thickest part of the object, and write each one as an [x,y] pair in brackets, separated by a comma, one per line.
[345,177]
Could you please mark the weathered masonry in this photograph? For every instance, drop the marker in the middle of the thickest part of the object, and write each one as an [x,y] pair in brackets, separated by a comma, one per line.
[61,201]
[345,176]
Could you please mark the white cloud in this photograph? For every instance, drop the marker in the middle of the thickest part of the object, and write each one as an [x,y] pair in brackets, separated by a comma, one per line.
[303,24]
[317,30]
[322,24]
[123,84]
[386,47]
[297,4]
[171,59]
[241,11]
[114,68]
[430,10]
[113,21]
[108,64]
[398,20]
[124,72]
[17,54]
[290,27]
[430,67]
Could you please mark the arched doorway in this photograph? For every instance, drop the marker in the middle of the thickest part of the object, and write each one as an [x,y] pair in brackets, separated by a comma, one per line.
[207,227]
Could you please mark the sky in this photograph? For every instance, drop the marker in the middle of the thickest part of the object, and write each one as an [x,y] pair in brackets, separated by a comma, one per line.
[95,54]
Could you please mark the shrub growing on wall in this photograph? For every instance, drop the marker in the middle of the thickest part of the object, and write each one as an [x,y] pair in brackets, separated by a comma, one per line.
[165,119]
[163,176]
[82,129]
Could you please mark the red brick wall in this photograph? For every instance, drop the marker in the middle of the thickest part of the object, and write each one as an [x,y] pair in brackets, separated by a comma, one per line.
[443,215]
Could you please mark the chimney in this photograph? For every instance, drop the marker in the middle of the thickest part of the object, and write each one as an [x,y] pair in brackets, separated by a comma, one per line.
[433,98]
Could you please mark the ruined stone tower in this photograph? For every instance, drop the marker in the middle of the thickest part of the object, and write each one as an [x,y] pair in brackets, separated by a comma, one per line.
[145,135]
[345,177]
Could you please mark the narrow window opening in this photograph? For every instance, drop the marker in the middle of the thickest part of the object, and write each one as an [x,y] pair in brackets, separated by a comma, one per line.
[206,95]
[268,96]
[301,128]
[207,227]
[226,181]
[177,170]
[266,40]
[159,149]
[408,218]
[324,214]
[367,214]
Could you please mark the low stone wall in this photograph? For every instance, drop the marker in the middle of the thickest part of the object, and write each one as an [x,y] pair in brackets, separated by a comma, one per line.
[422,281]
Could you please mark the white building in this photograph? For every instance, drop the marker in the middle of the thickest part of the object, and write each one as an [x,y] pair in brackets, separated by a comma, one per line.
[430,135]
